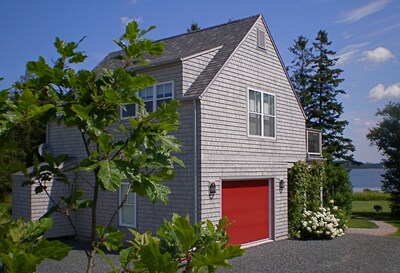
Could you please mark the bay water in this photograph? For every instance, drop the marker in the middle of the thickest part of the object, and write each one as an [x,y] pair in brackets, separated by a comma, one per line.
[366,179]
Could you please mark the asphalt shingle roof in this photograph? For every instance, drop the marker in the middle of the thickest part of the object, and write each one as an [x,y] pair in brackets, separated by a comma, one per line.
[227,35]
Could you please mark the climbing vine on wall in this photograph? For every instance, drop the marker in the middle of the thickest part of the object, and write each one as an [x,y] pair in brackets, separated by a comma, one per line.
[304,182]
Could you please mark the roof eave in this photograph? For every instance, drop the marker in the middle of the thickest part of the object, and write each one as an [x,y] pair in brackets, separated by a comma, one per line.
[155,64]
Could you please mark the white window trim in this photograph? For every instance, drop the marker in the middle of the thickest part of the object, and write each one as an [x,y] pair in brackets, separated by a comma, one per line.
[262,114]
[154,99]
[308,130]
[120,196]
[264,45]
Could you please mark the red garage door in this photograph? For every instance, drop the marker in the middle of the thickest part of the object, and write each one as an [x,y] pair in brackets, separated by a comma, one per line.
[246,203]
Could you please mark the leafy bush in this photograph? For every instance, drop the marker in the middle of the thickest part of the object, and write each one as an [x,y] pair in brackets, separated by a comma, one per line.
[22,245]
[179,247]
[338,187]
[370,196]
[297,180]
[304,182]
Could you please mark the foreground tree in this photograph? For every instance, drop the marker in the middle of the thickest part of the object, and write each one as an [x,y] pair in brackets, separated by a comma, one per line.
[316,81]
[386,136]
[89,101]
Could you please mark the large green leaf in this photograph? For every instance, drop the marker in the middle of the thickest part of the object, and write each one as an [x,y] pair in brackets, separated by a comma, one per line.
[179,233]
[84,114]
[215,255]
[109,175]
[154,261]
[88,165]
[105,143]
[54,250]
[110,237]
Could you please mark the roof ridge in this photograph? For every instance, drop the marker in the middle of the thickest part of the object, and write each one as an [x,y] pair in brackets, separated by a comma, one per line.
[208,28]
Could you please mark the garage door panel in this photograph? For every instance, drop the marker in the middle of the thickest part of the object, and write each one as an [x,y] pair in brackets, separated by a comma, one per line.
[247,204]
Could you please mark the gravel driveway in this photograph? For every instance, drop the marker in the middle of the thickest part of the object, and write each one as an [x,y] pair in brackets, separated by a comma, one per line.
[351,253]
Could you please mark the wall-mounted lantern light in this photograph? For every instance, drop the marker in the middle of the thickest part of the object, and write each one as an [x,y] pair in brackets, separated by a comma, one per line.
[281,185]
[213,188]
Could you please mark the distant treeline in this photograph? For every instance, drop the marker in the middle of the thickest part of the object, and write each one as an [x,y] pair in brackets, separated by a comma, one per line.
[349,165]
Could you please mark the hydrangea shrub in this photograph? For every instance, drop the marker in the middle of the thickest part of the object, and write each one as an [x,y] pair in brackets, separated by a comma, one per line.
[325,223]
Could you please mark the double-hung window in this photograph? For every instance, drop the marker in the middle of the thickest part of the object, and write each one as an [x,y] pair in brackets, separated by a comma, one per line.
[127,214]
[262,115]
[152,97]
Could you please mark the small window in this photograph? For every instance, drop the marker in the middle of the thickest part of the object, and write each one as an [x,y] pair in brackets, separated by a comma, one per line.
[314,142]
[260,38]
[261,114]
[127,214]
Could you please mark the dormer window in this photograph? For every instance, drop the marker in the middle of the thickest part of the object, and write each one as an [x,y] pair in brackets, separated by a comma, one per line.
[261,38]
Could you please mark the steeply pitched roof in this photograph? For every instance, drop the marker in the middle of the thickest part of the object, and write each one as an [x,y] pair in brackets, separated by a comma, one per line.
[227,35]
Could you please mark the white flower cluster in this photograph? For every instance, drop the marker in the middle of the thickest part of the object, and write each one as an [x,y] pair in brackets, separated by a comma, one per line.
[320,225]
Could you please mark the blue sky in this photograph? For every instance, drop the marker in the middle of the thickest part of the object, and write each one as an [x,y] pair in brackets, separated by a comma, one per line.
[364,33]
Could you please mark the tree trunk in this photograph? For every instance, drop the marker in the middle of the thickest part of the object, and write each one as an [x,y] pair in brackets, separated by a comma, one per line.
[92,252]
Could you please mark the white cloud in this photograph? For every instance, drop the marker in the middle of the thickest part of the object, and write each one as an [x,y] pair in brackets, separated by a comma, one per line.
[347,35]
[133,2]
[126,20]
[346,57]
[380,92]
[362,122]
[350,53]
[364,11]
[379,54]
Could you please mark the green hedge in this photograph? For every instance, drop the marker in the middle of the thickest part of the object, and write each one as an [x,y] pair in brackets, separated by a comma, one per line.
[370,196]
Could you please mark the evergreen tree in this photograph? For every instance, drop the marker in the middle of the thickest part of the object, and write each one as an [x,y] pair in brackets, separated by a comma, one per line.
[301,70]
[386,136]
[316,81]
[193,27]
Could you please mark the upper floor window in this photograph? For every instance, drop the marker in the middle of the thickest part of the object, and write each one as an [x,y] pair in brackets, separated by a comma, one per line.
[262,114]
[152,97]
[261,38]
[314,142]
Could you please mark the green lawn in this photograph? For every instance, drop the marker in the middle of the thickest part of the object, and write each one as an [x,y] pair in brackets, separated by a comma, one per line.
[366,209]
[370,195]
[360,223]
[368,206]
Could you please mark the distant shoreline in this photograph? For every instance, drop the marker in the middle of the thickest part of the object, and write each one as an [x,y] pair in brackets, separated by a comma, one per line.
[366,189]
[352,166]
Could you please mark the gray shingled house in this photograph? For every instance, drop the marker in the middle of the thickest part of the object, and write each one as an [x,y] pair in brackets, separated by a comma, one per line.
[241,126]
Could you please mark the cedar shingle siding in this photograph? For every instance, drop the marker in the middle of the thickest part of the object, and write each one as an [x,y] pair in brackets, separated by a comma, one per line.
[212,70]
